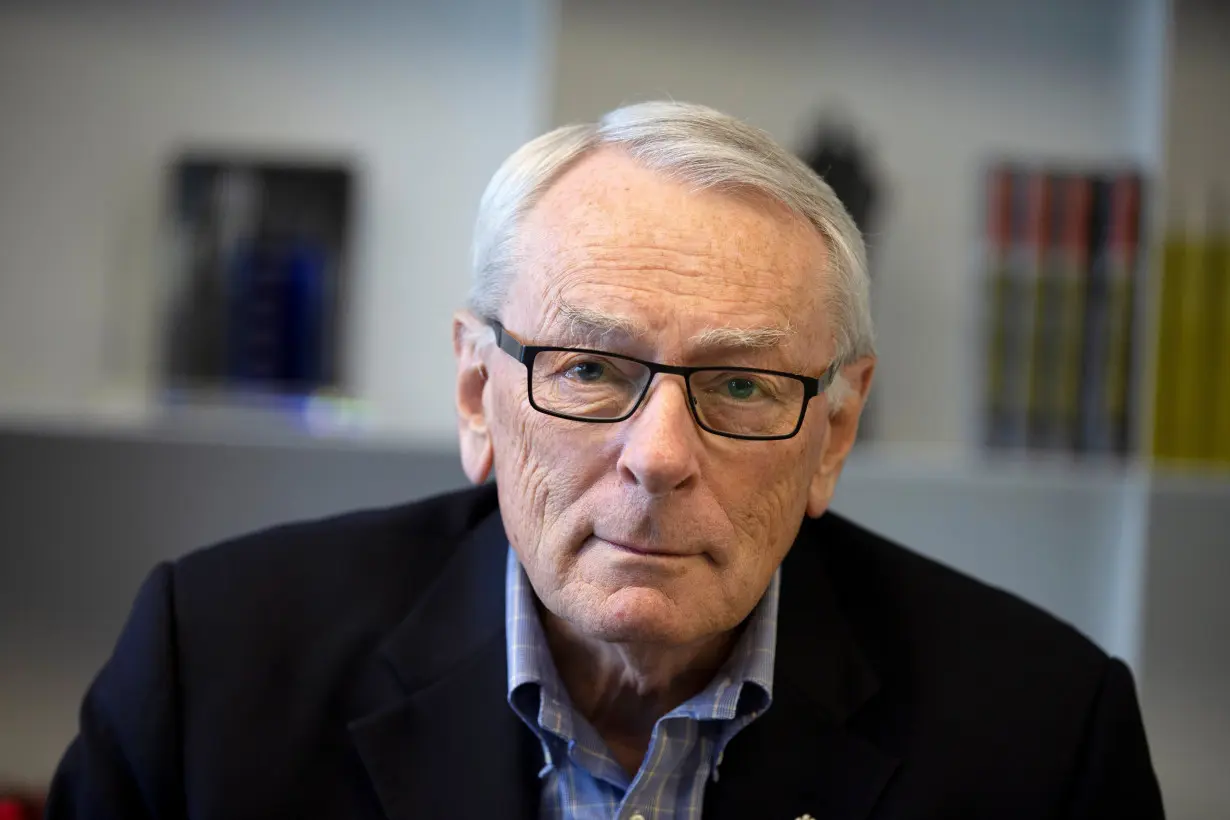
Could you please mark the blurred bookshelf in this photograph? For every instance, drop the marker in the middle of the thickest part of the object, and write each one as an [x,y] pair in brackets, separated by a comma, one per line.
[1081,306]
[310,356]
[317,368]
[332,423]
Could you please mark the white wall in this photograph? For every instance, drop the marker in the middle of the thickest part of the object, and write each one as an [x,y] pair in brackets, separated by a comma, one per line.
[1198,123]
[938,88]
[95,98]
[1185,691]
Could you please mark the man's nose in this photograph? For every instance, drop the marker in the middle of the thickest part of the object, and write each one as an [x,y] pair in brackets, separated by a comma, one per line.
[660,450]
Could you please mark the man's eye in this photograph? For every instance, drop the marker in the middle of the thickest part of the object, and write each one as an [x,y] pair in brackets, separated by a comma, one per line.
[740,388]
[586,371]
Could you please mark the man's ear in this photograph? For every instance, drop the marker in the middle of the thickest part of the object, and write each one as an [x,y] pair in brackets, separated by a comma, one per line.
[472,429]
[840,432]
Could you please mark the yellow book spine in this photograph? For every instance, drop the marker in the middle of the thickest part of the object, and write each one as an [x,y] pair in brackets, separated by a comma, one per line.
[1071,336]
[1192,360]
[1218,266]
[1166,439]
[998,286]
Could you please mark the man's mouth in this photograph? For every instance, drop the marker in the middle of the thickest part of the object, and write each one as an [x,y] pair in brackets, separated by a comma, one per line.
[643,549]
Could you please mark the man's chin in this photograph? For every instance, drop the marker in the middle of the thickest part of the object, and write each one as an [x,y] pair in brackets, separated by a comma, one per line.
[635,633]
[639,615]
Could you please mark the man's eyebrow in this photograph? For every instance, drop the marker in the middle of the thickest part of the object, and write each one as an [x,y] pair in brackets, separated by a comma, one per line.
[741,338]
[595,326]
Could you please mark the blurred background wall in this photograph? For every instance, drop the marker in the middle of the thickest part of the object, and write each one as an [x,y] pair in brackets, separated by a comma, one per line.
[934,89]
[425,98]
[101,475]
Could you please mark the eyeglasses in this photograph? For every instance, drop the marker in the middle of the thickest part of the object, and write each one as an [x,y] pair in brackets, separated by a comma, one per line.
[601,387]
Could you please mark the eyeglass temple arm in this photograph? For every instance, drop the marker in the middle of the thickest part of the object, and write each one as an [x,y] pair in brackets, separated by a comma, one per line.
[828,377]
[506,342]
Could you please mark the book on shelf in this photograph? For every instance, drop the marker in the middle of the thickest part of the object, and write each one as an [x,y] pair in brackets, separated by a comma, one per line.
[1106,407]
[1060,316]
[1043,292]
[277,300]
[260,288]
[1016,255]
[1218,261]
[1062,263]
[1192,390]
[999,293]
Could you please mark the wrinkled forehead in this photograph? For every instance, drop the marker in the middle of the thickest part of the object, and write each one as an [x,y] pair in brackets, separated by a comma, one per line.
[615,236]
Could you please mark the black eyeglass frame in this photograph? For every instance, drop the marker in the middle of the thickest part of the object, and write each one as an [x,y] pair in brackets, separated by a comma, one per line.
[526,354]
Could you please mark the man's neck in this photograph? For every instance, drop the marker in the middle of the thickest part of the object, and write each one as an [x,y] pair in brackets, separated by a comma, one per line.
[623,689]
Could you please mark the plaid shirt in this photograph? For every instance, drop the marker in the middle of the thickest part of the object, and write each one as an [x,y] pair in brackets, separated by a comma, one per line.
[580,778]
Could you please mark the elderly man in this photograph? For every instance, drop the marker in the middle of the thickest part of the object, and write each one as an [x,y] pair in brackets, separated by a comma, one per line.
[651,614]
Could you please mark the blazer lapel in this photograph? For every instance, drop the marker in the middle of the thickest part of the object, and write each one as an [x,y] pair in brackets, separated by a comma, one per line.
[442,740]
[803,755]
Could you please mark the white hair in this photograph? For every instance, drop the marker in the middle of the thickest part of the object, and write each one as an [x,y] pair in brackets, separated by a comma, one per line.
[700,147]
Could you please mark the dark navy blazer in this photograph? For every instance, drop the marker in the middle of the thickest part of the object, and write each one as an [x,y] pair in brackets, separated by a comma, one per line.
[355,668]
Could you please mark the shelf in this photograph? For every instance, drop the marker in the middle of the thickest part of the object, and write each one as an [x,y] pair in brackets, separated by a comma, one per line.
[302,427]
[948,464]
[252,426]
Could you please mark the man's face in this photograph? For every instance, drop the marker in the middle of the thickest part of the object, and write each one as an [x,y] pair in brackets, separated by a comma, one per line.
[652,529]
